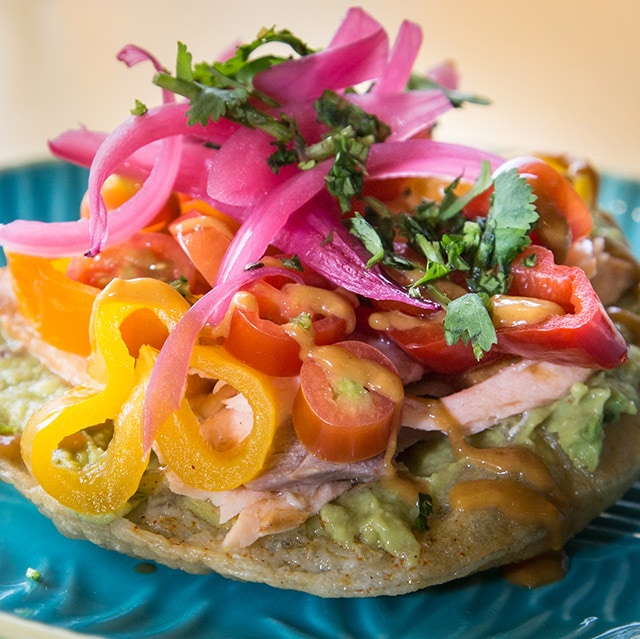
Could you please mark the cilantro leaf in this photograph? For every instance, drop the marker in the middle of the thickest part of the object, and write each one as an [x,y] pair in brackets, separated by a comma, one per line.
[451,204]
[139,109]
[376,244]
[505,233]
[237,65]
[214,103]
[468,320]
[338,113]
[512,216]
[184,62]
[369,238]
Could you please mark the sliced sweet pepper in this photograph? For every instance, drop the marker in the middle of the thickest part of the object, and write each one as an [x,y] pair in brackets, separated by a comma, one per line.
[130,320]
[182,446]
[583,336]
[58,307]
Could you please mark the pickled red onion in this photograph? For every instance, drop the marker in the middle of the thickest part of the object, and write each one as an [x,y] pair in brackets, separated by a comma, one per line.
[267,218]
[357,53]
[403,56]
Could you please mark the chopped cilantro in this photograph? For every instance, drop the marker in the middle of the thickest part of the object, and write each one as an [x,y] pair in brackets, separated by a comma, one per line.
[293,263]
[440,241]
[139,109]
[505,234]
[303,320]
[182,286]
[369,237]
[456,97]
[425,508]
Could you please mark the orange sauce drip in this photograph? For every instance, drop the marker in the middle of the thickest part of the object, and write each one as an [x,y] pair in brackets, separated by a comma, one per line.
[515,500]
[339,363]
[537,571]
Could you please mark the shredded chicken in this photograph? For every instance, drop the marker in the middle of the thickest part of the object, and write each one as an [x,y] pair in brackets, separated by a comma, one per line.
[267,513]
[519,387]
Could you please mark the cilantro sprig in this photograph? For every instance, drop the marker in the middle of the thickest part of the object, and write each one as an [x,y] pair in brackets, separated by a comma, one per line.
[442,243]
[456,97]
[225,89]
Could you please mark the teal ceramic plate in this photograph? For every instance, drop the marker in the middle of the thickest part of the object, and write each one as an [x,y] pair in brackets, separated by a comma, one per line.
[84,589]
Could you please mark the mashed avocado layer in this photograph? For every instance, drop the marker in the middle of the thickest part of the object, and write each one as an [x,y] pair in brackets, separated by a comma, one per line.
[25,385]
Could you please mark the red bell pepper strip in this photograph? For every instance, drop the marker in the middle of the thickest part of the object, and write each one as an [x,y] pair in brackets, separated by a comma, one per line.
[583,336]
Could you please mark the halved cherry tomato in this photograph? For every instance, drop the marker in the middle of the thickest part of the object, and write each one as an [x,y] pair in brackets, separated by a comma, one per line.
[117,189]
[205,239]
[257,334]
[262,344]
[347,407]
[290,299]
[155,255]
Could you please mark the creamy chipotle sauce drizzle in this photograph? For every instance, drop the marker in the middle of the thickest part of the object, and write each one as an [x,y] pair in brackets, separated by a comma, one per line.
[541,570]
[338,363]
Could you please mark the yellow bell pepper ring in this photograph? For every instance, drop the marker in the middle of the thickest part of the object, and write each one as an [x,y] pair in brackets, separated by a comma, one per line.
[197,462]
[100,486]
[129,320]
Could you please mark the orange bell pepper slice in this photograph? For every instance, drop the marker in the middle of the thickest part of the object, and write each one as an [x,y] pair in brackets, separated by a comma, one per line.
[58,307]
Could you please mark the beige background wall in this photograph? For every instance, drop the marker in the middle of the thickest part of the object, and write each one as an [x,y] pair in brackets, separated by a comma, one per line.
[562,74]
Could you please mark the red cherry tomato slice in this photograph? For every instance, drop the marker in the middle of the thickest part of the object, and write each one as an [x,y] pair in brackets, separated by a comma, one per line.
[257,334]
[144,254]
[347,407]
[262,344]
